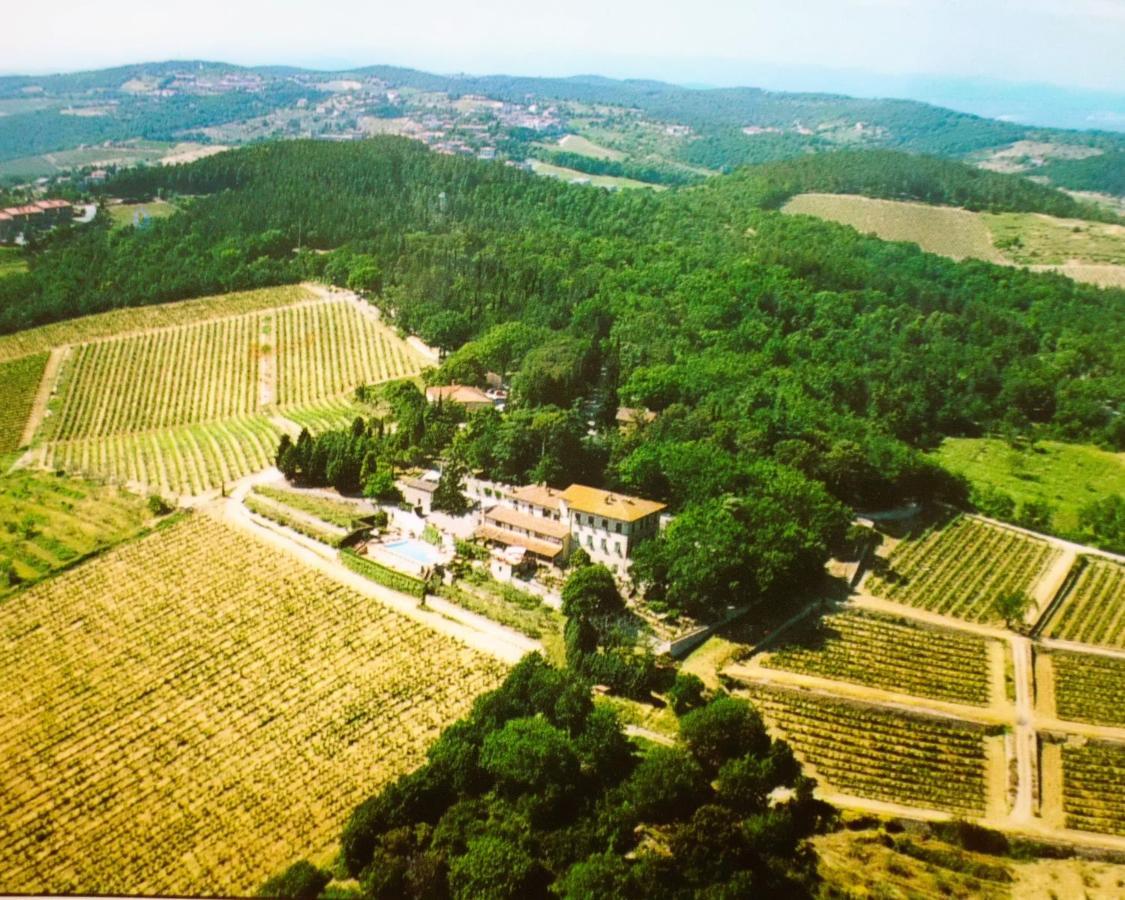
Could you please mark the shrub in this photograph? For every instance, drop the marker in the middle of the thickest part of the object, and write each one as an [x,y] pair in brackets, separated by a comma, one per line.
[301,881]
[686,693]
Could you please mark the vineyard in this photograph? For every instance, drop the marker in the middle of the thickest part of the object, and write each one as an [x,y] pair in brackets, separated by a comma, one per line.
[145,318]
[1094,787]
[881,753]
[960,570]
[1093,609]
[49,522]
[189,712]
[181,411]
[883,652]
[19,382]
[326,415]
[329,349]
[178,461]
[1089,688]
[162,379]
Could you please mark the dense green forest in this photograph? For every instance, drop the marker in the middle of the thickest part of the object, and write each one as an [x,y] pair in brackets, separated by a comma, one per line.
[537,792]
[897,176]
[760,340]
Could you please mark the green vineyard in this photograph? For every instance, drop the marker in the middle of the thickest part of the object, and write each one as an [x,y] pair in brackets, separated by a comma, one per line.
[880,753]
[960,570]
[1094,787]
[162,379]
[1089,688]
[19,382]
[328,349]
[884,652]
[1093,609]
[130,320]
[180,461]
[187,409]
[190,712]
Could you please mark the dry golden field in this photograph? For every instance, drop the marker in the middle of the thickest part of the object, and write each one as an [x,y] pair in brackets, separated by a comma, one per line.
[191,711]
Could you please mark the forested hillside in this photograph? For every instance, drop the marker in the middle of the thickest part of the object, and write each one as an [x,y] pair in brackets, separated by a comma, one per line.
[760,340]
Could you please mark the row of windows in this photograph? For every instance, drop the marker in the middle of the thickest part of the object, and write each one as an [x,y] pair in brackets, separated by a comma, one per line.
[605,545]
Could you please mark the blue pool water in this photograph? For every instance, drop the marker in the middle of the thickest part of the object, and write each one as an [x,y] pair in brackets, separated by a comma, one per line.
[418,551]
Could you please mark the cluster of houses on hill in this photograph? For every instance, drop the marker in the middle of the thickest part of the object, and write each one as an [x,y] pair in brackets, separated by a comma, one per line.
[39,215]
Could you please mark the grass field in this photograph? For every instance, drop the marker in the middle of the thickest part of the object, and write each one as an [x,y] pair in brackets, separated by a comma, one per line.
[12,261]
[190,712]
[130,320]
[1035,239]
[1092,610]
[956,233]
[605,181]
[50,521]
[19,383]
[1067,476]
[1085,251]
[575,143]
[126,215]
[961,568]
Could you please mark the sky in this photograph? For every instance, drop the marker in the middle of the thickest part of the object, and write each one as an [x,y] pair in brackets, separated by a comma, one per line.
[1076,43]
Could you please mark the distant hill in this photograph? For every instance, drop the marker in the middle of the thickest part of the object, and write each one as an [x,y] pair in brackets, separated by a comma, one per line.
[653,124]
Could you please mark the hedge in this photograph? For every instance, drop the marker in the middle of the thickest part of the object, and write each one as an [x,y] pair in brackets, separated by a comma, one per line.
[384,575]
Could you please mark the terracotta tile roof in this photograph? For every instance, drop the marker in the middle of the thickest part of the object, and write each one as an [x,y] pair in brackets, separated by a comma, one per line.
[505,515]
[606,503]
[508,538]
[421,484]
[538,495]
[458,393]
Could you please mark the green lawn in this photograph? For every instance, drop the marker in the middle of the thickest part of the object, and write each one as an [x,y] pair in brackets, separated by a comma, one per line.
[1067,476]
[11,261]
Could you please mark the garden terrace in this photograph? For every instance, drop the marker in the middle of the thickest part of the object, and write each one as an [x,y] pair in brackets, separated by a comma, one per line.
[189,712]
[339,512]
[1092,610]
[1089,688]
[882,753]
[961,569]
[889,653]
[1094,786]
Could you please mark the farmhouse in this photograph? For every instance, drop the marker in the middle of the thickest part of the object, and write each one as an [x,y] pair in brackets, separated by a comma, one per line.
[550,523]
[469,397]
[608,525]
[419,492]
[42,214]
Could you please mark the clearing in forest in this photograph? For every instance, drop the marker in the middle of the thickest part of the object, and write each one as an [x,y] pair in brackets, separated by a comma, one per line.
[1065,476]
[962,568]
[189,712]
[1088,251]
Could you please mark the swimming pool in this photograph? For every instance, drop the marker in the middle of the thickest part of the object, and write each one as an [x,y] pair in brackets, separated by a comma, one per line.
[417,551]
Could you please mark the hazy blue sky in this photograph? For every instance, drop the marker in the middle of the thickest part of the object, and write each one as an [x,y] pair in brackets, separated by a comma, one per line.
[1065,42]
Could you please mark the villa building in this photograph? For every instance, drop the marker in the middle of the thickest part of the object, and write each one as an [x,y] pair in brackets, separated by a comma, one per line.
[607,525]
[469,397]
